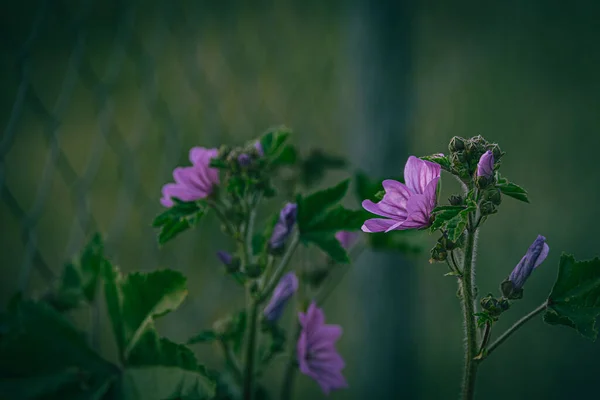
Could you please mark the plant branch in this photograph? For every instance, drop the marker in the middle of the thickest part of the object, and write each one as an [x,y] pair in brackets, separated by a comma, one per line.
[515,327]
[231,360]
[250,350]
[270,286]
[468,300]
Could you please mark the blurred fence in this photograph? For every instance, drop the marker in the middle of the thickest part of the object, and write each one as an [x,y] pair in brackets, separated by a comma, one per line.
[100,100]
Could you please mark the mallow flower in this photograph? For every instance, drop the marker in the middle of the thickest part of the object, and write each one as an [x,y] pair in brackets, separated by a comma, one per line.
[285,289]
[536,254]
[346,238]
[317,356]
[195,182]
[485,166]
[406,206]
[284,226]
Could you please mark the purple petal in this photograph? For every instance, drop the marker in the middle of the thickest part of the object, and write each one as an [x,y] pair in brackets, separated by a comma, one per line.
[377,225]
[418,173]
[542,256]
[396,193]
[380,208]
[431,195]
[485,166]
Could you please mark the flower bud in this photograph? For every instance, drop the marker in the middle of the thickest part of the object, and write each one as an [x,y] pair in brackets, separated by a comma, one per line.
[456,200]
[232,264]
[496,151]
[456,144]
[536,254]
[439,253]
[494,195]
[283,227]
[485,167]
[259,148]
[286,287]
[346,238]
[244,160]
[488,208]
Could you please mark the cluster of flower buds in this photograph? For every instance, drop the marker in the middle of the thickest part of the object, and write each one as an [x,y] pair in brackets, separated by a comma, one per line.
[474,158]
[443,247]
[493,306]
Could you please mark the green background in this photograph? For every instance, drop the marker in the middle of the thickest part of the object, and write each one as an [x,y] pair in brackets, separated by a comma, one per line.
[100,100]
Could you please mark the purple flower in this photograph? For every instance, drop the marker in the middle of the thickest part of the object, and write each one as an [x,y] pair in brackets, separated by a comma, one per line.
[284,226]
[195,182]
[225,257]
[485,167]
[536,254]
[286,287]
[406,206]
[346,238]
[259,148]
[317,356]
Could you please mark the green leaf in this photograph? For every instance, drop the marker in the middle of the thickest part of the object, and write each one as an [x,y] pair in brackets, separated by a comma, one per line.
[43,356]
[453,219]
[440,159]
[313,206]
[287,156]
[316,165]
[456,226]
[575,297]
[179,218]
[273,140]
[329,244]
[79,279]
[337,219]
[510,189]
[134,301]
[207,336]
[443,215]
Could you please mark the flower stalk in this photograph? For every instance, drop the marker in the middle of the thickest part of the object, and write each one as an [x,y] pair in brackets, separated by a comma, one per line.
[468,303]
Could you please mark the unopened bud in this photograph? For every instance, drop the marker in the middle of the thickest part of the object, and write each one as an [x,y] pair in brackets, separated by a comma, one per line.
[456,144]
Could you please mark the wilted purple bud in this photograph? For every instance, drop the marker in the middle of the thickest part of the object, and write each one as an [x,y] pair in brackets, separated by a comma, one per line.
[346,238]
[244,160]
[286,287]
[284,226]
[485,167]
[536,254]
[225,257]
[259,148]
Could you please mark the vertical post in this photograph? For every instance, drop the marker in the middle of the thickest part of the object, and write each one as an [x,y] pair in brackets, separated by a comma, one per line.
[378,50]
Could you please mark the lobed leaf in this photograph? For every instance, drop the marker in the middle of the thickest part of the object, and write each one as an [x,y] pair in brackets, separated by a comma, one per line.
[314,205]
[575,298]
[179,218]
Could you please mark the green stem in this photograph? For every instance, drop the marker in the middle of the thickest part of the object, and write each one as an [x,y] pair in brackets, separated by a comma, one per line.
[515,327]
[289,376]
[468,300]
[487,334]
[270,286]
[250,351]
[231,360]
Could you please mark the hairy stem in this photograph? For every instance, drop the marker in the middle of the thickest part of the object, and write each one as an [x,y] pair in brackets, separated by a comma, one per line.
[250,350]
[515,327]
[468,303]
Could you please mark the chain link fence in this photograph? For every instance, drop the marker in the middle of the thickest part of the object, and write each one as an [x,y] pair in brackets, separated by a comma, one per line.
[101,100]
